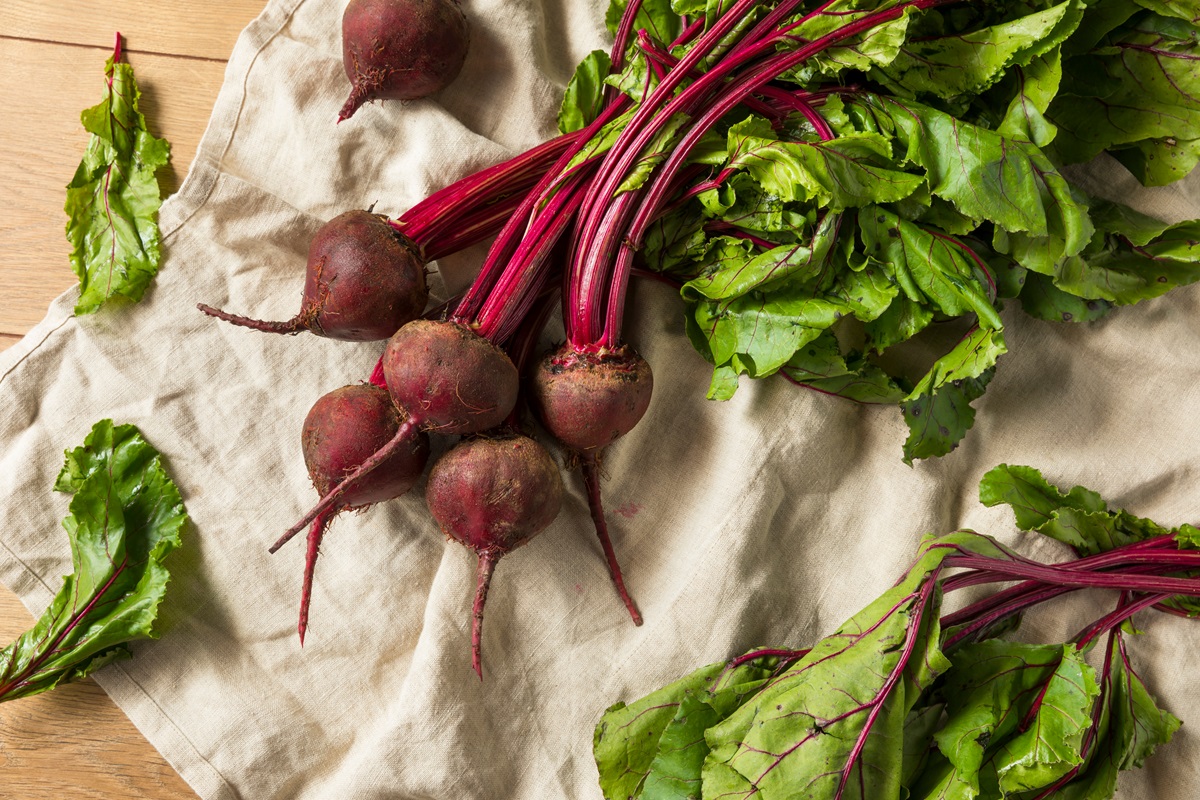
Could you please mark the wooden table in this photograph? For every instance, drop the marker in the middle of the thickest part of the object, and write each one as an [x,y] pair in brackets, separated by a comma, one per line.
[73,742]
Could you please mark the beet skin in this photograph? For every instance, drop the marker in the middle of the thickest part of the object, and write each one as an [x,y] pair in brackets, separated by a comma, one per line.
[401,49]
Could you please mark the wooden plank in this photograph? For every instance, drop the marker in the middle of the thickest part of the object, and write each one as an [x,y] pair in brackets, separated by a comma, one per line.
[176,27]
[7,340]
[41,147]
[73,742]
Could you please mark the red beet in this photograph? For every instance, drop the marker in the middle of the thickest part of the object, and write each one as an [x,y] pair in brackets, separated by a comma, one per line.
[401,49]
[364,281]
[588,400]
[343,429]
[493,495]
[448,379]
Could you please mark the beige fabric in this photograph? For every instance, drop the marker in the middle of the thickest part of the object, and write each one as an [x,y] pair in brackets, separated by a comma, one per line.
[765,520]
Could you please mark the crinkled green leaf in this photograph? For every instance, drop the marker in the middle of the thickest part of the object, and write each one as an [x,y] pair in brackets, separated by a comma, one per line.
[821,366]
[960,63]
[938,411]
[801,262]
[877,46]
[1042,299]
[846,172]
[656,17]
[126,516]
[628,739]
[1137,259]
[931,268]
[1139,83]
[1079,518]
[584,96]
[1034,86]
[796,736]
[676,771]
[988,176]
[113,199]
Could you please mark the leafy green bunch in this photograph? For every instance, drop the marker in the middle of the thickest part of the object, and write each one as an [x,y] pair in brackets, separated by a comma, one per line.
[903,701]
[843,179]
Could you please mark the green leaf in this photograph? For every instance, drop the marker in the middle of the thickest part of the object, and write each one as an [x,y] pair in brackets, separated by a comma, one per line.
[930,267]
[876,46]
[988,176]
[1138,258]
[795,738]
[1136,85]
[1035,85]
[126,516]
[965,63]
[113,199]
[1079,518]
[847,172]
[655,16]
[821,366]
[802,262]
[582,100]
[938,411]
[628,738]
[1042,299]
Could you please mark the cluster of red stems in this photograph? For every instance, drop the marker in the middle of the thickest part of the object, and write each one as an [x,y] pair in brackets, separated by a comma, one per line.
[562,226]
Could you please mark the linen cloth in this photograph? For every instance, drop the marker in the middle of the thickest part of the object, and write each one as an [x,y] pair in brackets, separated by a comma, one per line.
[766,520]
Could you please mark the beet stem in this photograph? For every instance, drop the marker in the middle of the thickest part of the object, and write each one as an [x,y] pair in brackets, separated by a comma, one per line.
[487,566]
[294,325]
[330,500]
[315,534]
[591,480]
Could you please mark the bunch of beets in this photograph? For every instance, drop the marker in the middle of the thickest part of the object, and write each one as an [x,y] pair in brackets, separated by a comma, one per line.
[829,201]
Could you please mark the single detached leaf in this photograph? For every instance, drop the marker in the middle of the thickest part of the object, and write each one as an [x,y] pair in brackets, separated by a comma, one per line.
[938,411]
[113,200]
[126,516]
[585,92]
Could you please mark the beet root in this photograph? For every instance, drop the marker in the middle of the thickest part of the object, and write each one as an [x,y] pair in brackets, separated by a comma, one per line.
[449,377]
[364,281]
[493,495]
[589,400]
[343,429]
[401,49]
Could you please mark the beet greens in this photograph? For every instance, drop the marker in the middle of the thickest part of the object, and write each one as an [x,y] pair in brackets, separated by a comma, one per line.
[903,701]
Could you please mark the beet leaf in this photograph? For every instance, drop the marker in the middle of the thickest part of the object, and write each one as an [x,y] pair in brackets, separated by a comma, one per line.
[126,517]
[112,202]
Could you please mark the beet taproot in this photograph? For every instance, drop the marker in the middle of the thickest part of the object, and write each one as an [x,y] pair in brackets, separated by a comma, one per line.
[401,49]
[364,280]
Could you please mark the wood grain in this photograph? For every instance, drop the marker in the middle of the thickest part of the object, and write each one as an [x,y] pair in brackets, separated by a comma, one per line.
[172,27]
[41,147]
[73,742]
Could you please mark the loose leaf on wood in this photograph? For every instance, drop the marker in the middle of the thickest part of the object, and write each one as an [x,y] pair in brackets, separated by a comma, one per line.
[126,517]
[113,200]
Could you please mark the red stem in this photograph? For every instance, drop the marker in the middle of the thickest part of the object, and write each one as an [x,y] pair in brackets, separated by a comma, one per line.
[487,566]
[591,481]
[315,534]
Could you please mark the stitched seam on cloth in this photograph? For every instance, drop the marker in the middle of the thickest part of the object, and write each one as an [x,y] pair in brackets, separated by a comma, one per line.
[34,349]
[209,173]
[28,569]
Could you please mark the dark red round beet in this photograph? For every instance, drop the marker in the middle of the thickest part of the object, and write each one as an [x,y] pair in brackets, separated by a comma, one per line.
[493,495]
[450,379]
[348,425]
[364,281]
[343,429]
[589,400]
[401,49]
